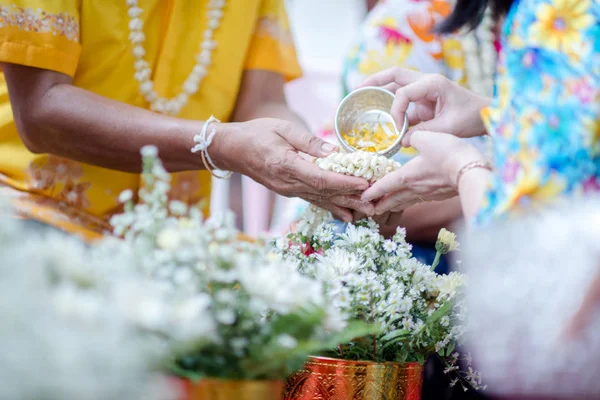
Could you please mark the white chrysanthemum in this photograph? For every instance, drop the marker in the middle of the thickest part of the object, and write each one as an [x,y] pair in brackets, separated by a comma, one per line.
[337,263]
[353,236]
[280,286]
[451,284]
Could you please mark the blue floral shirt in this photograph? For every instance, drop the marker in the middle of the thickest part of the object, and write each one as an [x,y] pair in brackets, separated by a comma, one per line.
[545,117]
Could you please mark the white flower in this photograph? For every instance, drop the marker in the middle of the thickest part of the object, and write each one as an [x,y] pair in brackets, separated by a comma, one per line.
[125,196]
[287,341]
[149,151]
[446,241]
[353,236]
[178,207]
[390,246]
[335,321]
[239,344]
[337,263]
[280,286]
[449,285]
[225,316]
[169,239]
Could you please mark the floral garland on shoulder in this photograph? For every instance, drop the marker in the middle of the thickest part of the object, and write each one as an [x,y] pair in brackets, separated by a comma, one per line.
[480,56]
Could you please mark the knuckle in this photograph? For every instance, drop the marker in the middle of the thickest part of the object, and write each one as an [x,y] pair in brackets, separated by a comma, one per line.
[436,78]
[320,184]
[312,141]
[283,128]
[285,189]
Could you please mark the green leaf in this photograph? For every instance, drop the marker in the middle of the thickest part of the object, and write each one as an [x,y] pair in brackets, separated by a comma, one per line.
[440,312]
[185,373]
[420,358]
[449,349]
[395,334]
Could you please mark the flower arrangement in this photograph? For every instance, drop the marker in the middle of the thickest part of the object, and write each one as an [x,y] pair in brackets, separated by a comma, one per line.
[376,280]
[261,316]
[59,338]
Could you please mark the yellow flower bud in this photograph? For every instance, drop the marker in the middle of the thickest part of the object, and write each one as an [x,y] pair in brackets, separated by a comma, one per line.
[446,241]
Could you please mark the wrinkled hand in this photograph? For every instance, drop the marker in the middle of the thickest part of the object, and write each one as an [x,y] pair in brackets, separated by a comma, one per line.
[269,151]
[440,105]
[429,176]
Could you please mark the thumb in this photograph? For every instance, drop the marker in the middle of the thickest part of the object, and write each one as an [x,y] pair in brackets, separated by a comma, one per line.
[420,127]
[306,142]
[421,139]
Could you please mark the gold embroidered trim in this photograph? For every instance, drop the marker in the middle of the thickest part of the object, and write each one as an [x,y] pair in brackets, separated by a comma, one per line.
[40,21]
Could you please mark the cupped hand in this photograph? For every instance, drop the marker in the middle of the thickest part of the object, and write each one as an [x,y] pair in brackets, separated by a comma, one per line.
[439,104]
[270,152]
[429,176]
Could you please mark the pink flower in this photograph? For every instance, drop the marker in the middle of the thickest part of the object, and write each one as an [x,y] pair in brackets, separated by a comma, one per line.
[392,35]
[308,250]
[510,171]
[591,185]
[584,91]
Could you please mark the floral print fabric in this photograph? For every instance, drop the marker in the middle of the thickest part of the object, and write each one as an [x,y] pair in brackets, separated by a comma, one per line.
[545,119]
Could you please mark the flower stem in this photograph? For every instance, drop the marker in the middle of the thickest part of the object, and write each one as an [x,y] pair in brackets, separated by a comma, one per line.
[436,260]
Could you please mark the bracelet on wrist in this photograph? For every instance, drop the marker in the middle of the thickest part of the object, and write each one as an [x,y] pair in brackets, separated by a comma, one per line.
[202,143]
[472,165]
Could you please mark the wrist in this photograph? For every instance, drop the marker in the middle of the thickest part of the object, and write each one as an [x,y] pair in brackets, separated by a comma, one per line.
[222,145]
[470,156]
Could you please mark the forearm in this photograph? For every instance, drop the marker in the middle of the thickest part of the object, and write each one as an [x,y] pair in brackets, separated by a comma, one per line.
[77,124]
[424,221]
[269,109]
[471,189]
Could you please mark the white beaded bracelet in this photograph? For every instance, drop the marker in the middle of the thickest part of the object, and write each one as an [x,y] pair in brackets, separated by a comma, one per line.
[202,145]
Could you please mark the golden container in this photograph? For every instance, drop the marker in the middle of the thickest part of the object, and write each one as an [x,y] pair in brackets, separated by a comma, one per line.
[332,379]
[224,389]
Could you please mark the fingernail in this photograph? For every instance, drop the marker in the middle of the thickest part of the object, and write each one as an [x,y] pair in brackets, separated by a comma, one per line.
[328,148]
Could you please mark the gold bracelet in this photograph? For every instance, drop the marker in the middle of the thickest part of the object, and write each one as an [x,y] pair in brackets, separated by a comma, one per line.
[472,165]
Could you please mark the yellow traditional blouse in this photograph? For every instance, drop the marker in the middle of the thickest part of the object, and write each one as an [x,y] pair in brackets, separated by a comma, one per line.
[88,40]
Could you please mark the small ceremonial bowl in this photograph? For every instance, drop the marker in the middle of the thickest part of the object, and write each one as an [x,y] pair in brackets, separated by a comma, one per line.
[367,105]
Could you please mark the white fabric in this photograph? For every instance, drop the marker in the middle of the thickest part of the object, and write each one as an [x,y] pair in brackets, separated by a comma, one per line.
[527,278]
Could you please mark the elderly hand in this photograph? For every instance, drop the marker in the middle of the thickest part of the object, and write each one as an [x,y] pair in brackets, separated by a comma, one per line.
[429,176]
[440,105]
[269,151]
